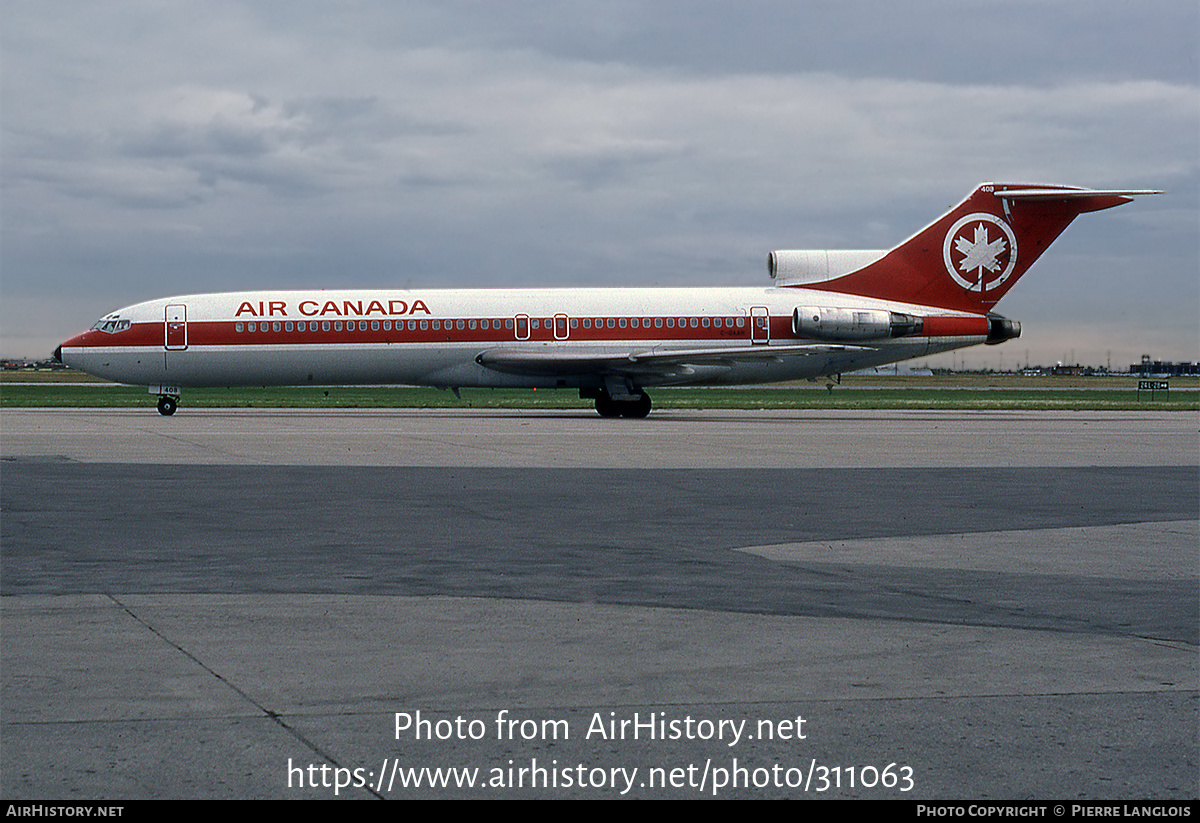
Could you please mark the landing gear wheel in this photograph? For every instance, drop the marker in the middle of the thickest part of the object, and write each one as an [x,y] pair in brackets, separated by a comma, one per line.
[606,406]
[167,405]
[636,408]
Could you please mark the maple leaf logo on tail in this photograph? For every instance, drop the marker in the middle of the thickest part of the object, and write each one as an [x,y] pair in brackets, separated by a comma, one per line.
[980,252]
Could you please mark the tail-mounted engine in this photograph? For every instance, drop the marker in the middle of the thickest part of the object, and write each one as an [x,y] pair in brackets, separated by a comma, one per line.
[803,268]
[822,323]
[1001,329]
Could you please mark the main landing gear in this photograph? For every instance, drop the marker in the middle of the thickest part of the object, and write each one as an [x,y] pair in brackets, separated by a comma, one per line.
[167,405]
[626,405]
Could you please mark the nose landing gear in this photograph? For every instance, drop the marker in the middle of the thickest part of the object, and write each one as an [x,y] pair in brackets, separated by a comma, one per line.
[167,405]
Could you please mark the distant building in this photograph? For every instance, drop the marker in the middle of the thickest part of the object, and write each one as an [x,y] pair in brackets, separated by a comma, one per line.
[1160,368]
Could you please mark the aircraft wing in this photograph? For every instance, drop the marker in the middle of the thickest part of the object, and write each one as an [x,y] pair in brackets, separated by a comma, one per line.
[663,363]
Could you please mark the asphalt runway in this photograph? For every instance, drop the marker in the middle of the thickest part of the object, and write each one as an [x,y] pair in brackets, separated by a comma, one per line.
[734,604]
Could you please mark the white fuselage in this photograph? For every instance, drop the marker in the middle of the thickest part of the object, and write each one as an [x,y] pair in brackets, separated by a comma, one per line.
[436,337]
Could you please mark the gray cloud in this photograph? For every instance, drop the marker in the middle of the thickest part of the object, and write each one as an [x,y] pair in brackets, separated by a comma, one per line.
[148,150]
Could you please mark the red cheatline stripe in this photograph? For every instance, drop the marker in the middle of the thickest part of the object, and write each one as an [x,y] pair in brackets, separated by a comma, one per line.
[224,333]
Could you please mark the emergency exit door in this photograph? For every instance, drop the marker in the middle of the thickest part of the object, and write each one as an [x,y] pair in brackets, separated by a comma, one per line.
[176,327]
[760,325]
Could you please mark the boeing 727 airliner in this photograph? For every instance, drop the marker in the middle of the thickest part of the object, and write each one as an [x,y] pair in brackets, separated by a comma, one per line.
[827,312]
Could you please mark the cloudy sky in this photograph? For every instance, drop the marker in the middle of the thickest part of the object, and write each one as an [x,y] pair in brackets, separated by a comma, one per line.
[154,148]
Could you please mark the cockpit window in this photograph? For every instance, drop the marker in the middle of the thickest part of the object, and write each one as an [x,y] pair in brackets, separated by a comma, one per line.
[112,326]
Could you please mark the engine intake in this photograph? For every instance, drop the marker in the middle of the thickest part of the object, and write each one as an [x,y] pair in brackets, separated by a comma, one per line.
[802,267]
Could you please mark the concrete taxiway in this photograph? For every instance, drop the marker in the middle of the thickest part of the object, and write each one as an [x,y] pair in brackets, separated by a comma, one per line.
[731,604]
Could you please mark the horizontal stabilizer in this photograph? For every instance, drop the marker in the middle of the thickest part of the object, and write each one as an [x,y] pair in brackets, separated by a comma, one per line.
[1052,193]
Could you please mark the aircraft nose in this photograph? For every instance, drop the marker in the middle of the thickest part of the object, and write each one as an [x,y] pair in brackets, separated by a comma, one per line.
[58,355]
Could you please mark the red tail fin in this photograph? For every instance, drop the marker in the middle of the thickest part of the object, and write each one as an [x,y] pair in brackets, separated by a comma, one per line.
[969,258]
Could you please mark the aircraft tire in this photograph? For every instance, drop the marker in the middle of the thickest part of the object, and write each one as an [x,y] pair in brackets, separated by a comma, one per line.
[606,406]
[167,405]
[636,408]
